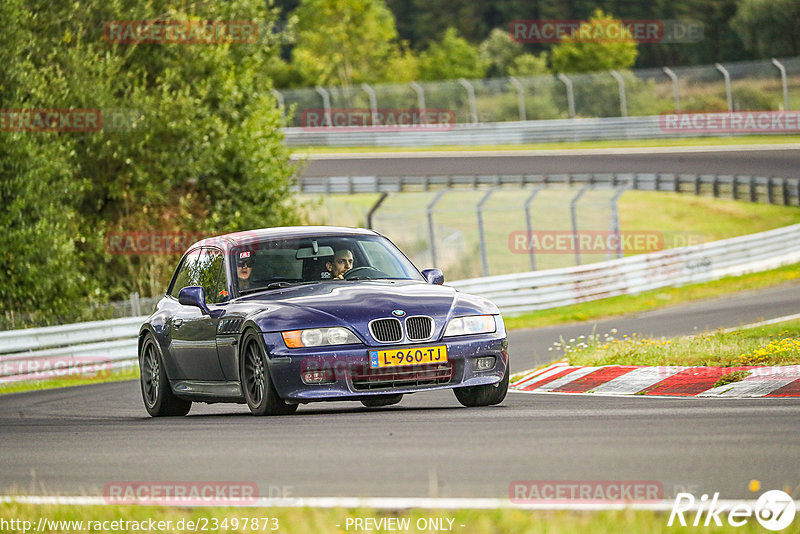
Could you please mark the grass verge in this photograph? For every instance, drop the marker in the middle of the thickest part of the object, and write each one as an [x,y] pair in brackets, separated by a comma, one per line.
[325,521]
[651,300]
[36,385]
[777,344]
[618,143]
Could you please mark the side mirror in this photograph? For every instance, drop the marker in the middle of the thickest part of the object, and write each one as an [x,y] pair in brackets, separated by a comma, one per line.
[194,296]
[434,276]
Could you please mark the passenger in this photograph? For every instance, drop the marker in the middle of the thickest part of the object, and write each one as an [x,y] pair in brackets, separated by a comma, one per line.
[244,269]
[342,262]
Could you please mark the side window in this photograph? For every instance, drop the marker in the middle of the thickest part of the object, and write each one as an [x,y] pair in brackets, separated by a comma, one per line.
[188,272]
[209,274]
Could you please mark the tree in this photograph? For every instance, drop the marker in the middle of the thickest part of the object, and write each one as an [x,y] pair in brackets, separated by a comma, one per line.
[199,149]
[353,47]
[529,65]
[769,28]
[595,47]
[452,57]
[498,53]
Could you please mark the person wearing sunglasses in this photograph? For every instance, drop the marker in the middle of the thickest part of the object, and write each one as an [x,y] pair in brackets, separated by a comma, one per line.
[244,269]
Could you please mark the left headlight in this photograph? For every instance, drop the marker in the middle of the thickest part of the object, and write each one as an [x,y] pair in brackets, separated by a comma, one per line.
[316,337]
[474,324]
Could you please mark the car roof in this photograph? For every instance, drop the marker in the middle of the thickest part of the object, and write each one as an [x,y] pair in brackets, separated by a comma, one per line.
[228,241]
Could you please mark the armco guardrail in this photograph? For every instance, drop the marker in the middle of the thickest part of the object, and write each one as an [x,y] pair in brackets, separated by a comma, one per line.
[673,267]
[506,133]
[769,189]
[68,350]
[71,349]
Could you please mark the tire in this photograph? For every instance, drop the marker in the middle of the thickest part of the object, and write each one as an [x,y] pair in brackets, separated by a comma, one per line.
[381,400]
[483,395]
[259,391]
[157,395]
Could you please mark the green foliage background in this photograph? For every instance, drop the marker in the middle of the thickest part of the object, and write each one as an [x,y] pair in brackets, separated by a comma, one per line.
[198,149]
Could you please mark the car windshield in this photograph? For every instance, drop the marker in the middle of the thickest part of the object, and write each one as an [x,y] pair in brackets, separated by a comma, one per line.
[276,263]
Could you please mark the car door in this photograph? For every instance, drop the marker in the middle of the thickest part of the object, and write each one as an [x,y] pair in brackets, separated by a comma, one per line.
[194,345]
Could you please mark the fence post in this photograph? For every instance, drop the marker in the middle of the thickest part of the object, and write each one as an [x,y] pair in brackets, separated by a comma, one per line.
[615,227]
[623,101]
[373,102]
[570,94]
[420,96]
[520,97]
[136,306]
[482,234]
[676,91]
[572,213]
[326,104]
[531,253]
[473,108]
[431,232]
[279,97]
[783,83]
[374,208]
[727,77]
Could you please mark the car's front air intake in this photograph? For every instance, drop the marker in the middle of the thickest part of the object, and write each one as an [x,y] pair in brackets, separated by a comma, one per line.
[386,330]
[419,328]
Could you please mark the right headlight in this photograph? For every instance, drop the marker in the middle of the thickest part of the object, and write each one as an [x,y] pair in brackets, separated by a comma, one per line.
[316,337]
[473,324]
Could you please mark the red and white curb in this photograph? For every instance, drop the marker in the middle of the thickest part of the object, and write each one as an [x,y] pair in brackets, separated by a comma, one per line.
[560,377]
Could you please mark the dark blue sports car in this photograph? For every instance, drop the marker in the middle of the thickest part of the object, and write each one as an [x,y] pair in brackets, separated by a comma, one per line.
[282,316]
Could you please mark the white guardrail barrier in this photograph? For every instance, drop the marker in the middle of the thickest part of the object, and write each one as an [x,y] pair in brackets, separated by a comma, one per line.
[93,347]
[510,133]
[539,290]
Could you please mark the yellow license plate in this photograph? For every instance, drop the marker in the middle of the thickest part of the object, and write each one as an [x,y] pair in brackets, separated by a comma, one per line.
[407,356]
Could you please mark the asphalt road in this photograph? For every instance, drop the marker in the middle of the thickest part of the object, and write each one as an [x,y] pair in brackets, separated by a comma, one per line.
[77,440]
[750,161]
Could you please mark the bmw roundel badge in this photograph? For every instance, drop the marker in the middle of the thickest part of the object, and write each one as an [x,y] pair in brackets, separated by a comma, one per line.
[398,313]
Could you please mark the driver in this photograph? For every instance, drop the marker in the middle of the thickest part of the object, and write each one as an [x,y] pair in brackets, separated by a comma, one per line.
[341,263]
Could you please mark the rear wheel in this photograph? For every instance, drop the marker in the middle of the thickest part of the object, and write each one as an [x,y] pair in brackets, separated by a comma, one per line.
[259,391]
[156,393]
[381,400]
[483,395]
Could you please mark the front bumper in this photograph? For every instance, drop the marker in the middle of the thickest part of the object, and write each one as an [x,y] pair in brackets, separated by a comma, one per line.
[348,368]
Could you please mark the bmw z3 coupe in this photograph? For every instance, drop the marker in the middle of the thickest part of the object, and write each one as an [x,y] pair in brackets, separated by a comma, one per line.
[282,316]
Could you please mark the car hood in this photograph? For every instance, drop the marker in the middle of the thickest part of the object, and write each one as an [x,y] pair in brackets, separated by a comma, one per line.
[355,303]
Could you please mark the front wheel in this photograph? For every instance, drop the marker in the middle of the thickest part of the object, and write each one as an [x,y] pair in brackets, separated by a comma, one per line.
[259,391]
[156,393]
[483,395]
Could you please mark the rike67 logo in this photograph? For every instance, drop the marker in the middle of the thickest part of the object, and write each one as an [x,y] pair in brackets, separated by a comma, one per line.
[774,510]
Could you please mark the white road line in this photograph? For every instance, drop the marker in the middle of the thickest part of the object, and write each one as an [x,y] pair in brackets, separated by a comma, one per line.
[396,503]
[764,323]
